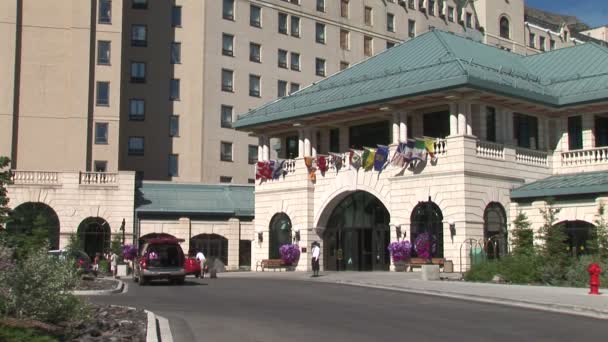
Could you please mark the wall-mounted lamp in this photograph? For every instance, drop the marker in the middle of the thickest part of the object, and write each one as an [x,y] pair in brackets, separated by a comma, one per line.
[296,236]
[260,235]
[452,226]
[398,230]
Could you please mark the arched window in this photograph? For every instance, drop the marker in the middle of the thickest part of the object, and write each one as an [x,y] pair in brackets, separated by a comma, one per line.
[94,235]
[427,218]
[505,28]
[213,246]
[32,216]
[578,233]
[495,230]
[280,234]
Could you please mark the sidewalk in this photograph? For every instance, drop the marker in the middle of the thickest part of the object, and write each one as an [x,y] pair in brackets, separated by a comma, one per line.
[557,299]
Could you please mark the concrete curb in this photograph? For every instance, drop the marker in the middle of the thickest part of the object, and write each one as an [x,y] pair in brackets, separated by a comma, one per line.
[152,329]
[120,288]
[158,329]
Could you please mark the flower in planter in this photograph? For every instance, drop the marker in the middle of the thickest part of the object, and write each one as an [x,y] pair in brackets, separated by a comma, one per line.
[424,245]
[290,253]
[129,252]
[400,250]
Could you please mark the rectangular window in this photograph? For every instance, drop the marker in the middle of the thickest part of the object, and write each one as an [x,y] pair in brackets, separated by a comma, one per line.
[389,45]
[173,165]
[139,35]
[281,88]
[390,22]
[227,80]
[103,94]
[100,166]
[254,85]
[176,53]
[525,130]
[434,124]
[450,13]
[575,133]
[139,4]
[103,52]
[421,5]
[344,40]
[532,38]
[136,146]
[320,33]
[105,12]
[176,16]
[344,8]
[174,126]
[321,5]
[601,131]
[282,59]
[255,16]
[255,52]
[344,65]
[490,124]
[411,4]
[295,26]
[334,140]
[227,44]
[228,9]
[137,109]
[283,23]
[226,151]
[101,133]
[542,43]
[411,28]
[552,45]
[367,15]
[295,61]
[291,146]
[174,90]
[225,179]
[138,72]
[252,154]
[431,7]
[293,87]
[368,46]
[249,181]
[226,119]
[319,67]
[469,20]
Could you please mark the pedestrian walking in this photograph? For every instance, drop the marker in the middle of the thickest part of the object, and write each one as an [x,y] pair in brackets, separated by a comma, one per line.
[96,263]
[316,252]
[201,260]
[114,264]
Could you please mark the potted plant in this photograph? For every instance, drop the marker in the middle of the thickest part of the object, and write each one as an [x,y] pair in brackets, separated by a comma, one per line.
[129,253]
[290,254]
[423,246]
[400,252]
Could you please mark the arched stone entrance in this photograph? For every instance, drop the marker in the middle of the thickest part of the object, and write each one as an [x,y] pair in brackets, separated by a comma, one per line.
[279,234]
[94,235]
[495,230]
[357,235]
[31,216]
[427,221]
[578,233]
[214,246]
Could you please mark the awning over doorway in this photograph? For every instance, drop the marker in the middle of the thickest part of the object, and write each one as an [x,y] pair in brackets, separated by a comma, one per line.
[564,185]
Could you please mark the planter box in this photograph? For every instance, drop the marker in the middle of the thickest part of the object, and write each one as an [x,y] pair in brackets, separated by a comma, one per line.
[121,270]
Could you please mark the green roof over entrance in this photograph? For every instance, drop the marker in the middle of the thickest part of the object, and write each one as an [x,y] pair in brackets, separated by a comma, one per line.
[199,199]
[564,185]
[438,61]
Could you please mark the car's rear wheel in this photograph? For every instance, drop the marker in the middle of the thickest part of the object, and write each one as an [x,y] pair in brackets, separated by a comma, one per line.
[142,281]
[179,281]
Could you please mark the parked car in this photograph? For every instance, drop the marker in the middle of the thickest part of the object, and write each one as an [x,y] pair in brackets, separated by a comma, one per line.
[160,258]
[192,266]
[81,259]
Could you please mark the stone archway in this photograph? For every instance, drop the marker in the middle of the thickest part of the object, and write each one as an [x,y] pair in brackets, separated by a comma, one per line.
[94,235]
[30,217]
[213,246]
[578,232]
[279,233]
[426,224]
[495,230]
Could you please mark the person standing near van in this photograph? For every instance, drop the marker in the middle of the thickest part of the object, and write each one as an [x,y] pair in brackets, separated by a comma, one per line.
[114,264]
[316,252]
[201,260]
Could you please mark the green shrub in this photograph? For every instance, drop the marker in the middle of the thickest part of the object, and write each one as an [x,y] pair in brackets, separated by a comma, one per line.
[104,266]
[520,269]
[483,271]
[23,335]
[577,275]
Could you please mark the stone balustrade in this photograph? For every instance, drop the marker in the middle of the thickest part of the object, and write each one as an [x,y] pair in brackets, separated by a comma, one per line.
[591,156]
[35,177]
[98,178]
[491,150]
[531,157]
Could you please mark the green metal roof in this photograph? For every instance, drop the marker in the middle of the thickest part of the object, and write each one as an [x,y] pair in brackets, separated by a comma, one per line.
[563,185]
[439,60]
[167,197]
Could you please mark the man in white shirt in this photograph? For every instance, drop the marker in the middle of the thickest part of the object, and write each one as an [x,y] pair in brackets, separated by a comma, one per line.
[201,259]
[316,252]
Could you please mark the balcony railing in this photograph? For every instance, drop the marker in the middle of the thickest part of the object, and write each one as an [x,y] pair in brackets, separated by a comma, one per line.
[491,150]
[35,177]
[98,178]
[585,157]
[531,157]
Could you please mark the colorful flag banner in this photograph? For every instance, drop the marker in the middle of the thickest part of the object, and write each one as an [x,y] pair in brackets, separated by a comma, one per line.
[355,158]
[397,159]
[322,163]
[381,157]
[277,170]
[336,160]
[408,152]
[259,166]
[367,160]
[308,161]
[419,150]
[430,148]
[267,171]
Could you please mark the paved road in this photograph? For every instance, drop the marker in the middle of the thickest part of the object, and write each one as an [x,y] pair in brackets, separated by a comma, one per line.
[241,309]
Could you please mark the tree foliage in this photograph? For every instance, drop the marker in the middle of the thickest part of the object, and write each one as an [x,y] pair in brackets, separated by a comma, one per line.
[600,238]
[523,237]
[553,236]
[5,179]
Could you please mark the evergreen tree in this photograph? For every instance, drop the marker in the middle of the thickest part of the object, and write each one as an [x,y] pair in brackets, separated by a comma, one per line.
[599,238]
[523,238]
[5,179]
[554,237]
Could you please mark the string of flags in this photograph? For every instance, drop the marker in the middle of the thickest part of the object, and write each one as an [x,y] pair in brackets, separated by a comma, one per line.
[377,159]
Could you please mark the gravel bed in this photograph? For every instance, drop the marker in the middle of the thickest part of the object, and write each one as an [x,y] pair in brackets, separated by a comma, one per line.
[112,324]
[96,284]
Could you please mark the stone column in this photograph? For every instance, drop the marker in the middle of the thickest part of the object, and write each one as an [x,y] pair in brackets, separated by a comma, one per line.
[462,119]
[233,237]
[313,147]
[483,131]
[508,114]
[307,150]
[403,126]
[469,116]
[396,134]
[300,143]
[266,148]
[453,119]
[261,148]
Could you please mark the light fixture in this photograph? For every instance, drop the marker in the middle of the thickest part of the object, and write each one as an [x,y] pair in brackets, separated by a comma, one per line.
[297,124]
[260,237]
[385,108]
[451,97]
[398,230]
[296,234]
[452,226]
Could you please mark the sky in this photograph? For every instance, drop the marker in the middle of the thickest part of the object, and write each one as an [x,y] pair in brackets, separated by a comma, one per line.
[592,12]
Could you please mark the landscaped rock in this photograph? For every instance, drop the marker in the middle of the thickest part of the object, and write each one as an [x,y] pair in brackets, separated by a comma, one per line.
[112,323]
[498,279]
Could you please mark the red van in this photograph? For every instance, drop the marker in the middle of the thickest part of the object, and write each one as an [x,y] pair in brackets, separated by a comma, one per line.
[160,258]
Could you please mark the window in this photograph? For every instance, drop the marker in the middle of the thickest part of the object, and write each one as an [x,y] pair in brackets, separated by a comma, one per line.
[281,88]
[542,43]
[254,85]
[138,72]
[174,90]
[389,45]
[525,130]
[367,15]
[139,36]
[295,61]
[283,23]
[565,35]
[319,67]
[255,16]
[139,4]
[390,22]
[252,155]
[255,52]
[176,16]
[295,26]
[601,131]
[103,94]
[451,13]
[575,133]
[100,166]
[101,133]
[173,165]
[282,59]
[226,119]
[334,140]
[469,20]
[320,33]
[367,46]
[105,12]
[411,28]
[226,151]
[532,38]
[321,5]
[344,40]
[137,109]
[228,9]
[227,44]
[505,29]
[551,44]
[250,181]
[227,78]
[103,52]
[136,146]
[431,8]
[293,87]
[490,124]
[344,65]
[344,8]
[174,126]
[411,4]
[421,5]
[176,53]
[225,179]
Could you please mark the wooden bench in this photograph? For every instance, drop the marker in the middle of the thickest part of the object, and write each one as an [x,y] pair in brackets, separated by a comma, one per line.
[418,262]
[270,263]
